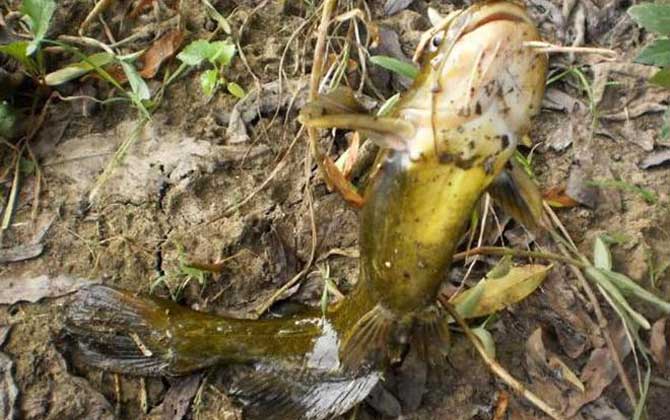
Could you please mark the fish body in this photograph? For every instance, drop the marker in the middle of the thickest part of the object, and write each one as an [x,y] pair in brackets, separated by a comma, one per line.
[449,137]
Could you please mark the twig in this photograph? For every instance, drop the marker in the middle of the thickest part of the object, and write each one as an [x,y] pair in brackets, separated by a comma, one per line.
[497,369]
[87,42]
[230,210]
[97,9]
[545,47]
[496,250]
[601,320]
[11,203]
[328,7]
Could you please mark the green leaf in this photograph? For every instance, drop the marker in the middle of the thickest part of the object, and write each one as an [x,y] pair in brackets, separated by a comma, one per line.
[652,17]
[631,288]
[137,84]
[209,80]
[602,258]
[236,90]
[662,78]
[76,70]
[493,295]
[19,51]
[397,66]
[220,52]
[486,339]
[656,54]
[603,280]
[194,53]
[39,13]
[8,119]
[388,106]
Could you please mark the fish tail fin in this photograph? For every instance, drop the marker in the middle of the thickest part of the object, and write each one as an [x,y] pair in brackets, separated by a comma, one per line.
[431,335]
[266,393]
[366,343]
[118,331]
[518,195]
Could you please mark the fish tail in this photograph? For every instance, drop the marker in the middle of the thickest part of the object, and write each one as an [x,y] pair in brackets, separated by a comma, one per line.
[114,330]
[119,331]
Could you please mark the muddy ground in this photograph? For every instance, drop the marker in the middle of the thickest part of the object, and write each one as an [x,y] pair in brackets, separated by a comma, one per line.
[189,188]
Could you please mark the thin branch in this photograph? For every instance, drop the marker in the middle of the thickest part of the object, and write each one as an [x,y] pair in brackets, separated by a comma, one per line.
[497,369]
[495,250]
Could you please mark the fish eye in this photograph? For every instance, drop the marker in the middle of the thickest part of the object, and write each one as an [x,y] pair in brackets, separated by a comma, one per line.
[436,41]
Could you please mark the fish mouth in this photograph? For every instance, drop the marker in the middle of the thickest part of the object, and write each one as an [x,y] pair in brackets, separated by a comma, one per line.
[491,12]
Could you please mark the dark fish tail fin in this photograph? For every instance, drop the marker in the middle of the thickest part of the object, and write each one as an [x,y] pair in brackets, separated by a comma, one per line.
[117,331]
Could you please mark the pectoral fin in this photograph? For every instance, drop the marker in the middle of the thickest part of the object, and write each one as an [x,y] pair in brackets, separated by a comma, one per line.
[367,342]
[518,195]
[271,393]
[431,336]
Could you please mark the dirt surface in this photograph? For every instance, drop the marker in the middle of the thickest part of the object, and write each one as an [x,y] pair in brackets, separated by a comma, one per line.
[182,192]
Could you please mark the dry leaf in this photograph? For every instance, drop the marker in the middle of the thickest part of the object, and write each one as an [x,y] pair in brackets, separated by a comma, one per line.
[14,290]
[599,371]
[161,50]
[8,390]
[658,343]
[556,197]
[497,294]
[177,401]
[339,183]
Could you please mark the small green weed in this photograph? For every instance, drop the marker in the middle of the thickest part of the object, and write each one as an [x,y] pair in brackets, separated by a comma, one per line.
[655,17]
[219,55]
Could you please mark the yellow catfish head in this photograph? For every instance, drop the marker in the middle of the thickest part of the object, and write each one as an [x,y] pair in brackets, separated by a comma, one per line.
[478,88]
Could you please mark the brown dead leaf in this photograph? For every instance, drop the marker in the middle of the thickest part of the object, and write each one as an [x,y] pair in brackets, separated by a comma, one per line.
[502,403]
[599,371]
[164,48]
[655,158]
[556,197]
[549,373]
[177,401]
[33,289]
[658,343]
[20,253]
[339,183]
[8,390]
[142,5]
[348,159]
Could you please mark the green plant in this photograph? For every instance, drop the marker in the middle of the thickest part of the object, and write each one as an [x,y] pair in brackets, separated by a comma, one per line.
[184,274]
[655,17]
[37,15]
[219,55]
